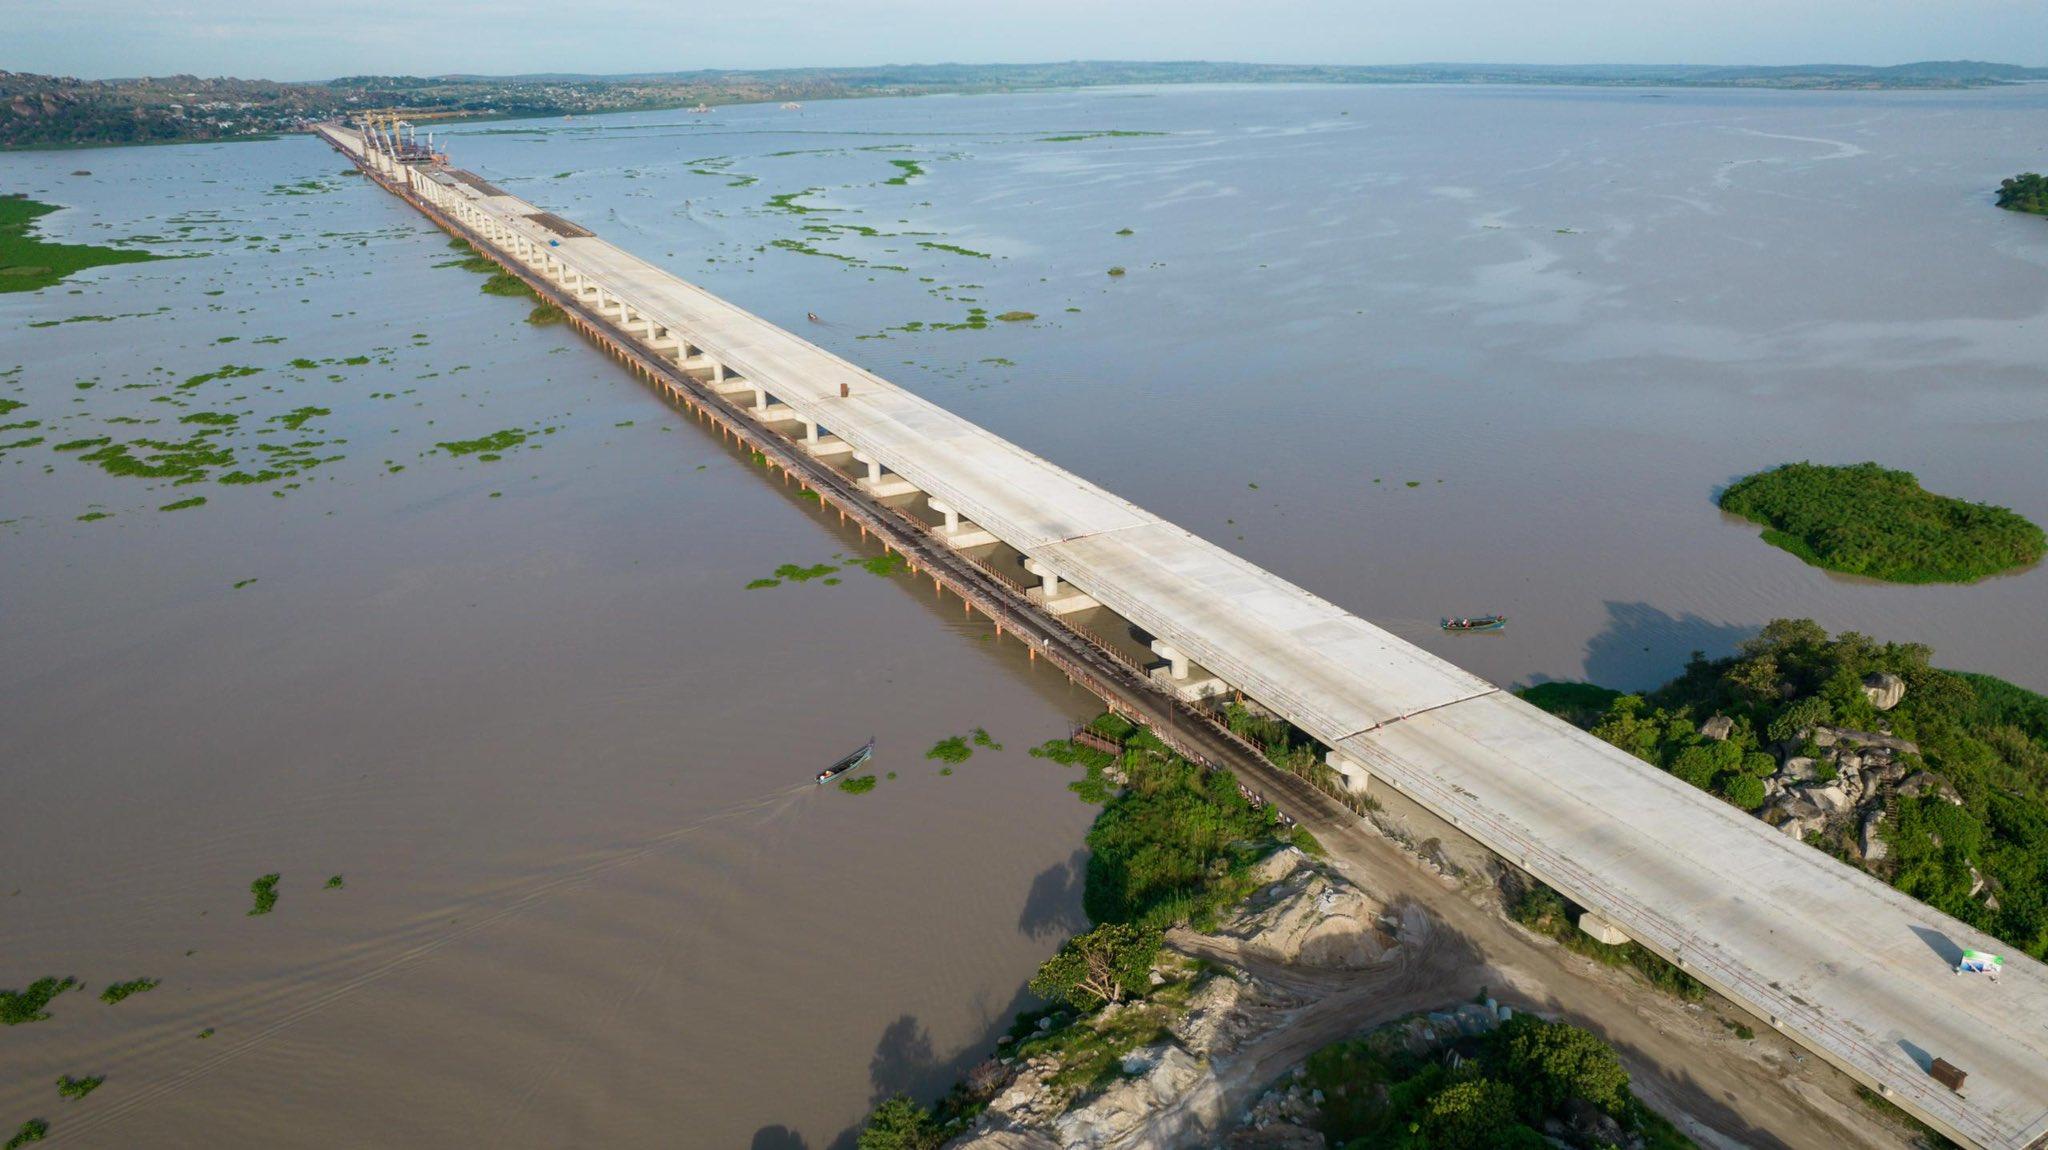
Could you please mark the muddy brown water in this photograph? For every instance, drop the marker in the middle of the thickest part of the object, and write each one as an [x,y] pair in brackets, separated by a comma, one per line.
[528,709]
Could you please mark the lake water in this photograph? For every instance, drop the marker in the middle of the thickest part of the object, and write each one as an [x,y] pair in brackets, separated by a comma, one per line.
[1422,350]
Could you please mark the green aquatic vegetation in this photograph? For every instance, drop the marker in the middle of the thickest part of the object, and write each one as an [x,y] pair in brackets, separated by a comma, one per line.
[758,584]
[802,248]
[297,417]
[265,891]
[1125,232]
[1017,317]
[545,313]
[32,1004]
[182,504]
[333,881]
[94,516]
[945,770]
[908,170]
[1078,136]
[952,749]
[955,249]
[30,263]
[241,583]
[225,371]
[859,786]
[1863,519]
[8,405]
[506,284]
[982,739]
[1116,271]
[82,444]
[70,1087]
[207,1033]
[787,202]
[211,418]
[796,574]
[117,991]
[492,444]
[33,1130]
[884,565]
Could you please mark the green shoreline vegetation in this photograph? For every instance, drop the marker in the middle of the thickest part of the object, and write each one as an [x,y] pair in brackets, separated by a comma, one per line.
[30,263]
[1949,777]
[1174,845]
[1863,519]
[2026,192]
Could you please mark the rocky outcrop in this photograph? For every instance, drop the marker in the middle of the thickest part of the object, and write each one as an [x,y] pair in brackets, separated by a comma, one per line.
[1718,728]
[1305,916]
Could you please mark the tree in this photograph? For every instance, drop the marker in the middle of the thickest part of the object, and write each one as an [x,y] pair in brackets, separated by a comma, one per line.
[1472,1115]
[1101,966]
[900,1124]
[1553,1063]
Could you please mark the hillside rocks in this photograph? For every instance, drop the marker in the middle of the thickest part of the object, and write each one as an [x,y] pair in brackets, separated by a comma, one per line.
[1842,791]
[1303,915]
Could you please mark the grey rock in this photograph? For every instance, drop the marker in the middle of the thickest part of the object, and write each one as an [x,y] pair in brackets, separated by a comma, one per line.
[1718,728]
[1884,690]
[1874,848]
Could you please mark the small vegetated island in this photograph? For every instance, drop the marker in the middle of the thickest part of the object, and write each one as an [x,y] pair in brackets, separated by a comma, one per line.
[1863,519]
[2026,192]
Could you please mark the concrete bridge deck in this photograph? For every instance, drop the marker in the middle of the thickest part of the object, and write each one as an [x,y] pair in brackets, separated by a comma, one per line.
[1840,962]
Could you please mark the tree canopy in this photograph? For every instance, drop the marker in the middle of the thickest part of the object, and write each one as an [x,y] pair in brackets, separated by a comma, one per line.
[2026,192]
[1863,519]
[1100,966]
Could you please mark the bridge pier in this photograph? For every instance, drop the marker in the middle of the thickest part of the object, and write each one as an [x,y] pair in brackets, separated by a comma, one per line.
[1602,929]
[879,485]
[1049,595]
[1179,675]
[1357,779]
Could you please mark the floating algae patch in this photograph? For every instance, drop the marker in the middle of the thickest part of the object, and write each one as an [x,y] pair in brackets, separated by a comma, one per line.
[182,504]
[952,749]
[859,786]
[758,584]
[787,202]
[1077,137]
[1018,316]
[884,565]
[490,445]
[32,1004]
[225,371]
[30,263]
[908,170]
[545,313]
[69,1087]
[796,574]
[209,418]
[982,739]
[265,891]
[117,991]
[955,249]
[802,248]
[186,462]
[295,419]
[33,1130]
[334,882]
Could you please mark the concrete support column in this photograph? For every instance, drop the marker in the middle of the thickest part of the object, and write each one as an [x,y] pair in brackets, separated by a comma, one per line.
[811,432]
[952,516]
[1052,581]
[1602,930]
[874,468]
[717,372]
[760,399]
[1357,779]
[1177,663]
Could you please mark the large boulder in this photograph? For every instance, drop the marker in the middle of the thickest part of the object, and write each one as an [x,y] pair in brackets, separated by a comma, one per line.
[1169,1074]
[1718,728]
[1884,690]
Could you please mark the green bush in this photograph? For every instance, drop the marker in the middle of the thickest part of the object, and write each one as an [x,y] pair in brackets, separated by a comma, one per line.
[899,1124]
[2026,192]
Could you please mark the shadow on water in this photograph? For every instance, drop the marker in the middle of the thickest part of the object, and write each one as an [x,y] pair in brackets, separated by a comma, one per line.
[1643,647]
[777,1138]
[1052,909]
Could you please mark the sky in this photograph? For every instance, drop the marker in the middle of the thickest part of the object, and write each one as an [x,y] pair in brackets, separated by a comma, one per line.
[322,39]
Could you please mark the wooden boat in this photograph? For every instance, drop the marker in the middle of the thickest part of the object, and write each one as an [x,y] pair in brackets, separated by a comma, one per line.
[1476,623]
[857,759]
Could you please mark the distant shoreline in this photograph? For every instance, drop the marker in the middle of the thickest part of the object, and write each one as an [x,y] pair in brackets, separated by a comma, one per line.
[40,112]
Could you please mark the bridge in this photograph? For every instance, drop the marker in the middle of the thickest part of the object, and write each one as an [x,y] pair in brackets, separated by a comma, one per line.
[1837,961]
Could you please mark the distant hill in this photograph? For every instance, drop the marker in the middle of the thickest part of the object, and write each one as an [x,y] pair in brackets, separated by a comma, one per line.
[58,111]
